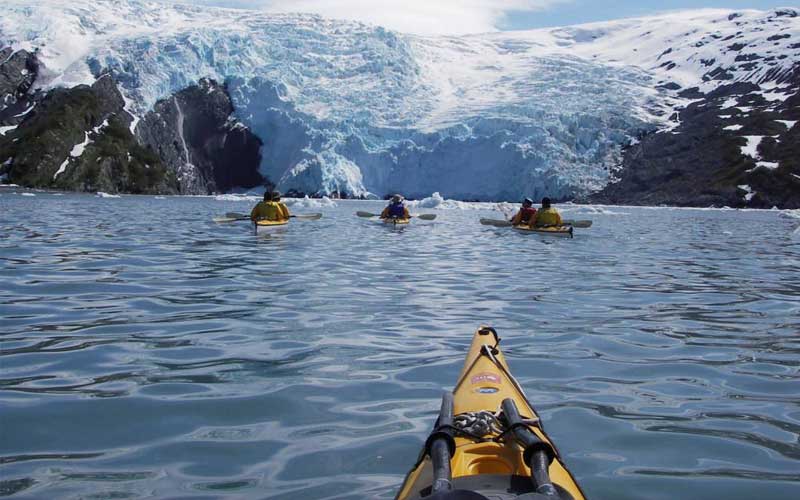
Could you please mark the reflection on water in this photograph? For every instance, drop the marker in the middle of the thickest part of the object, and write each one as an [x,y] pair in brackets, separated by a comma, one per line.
[147,351]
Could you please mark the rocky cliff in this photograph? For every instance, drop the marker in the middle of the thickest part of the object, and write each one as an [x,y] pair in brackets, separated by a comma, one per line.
[18,71]
[738,146]
[80,138]
[194,133]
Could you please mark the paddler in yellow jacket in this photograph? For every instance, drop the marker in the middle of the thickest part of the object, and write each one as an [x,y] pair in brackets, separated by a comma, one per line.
[270,209]
[547,216]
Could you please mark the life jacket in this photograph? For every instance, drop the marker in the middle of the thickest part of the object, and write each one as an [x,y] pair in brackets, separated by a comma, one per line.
[397,210]
[269,210]
[527,215]
[548,217]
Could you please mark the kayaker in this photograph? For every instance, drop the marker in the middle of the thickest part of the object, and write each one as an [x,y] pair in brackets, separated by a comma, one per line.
[396,209]
[526,213]
[270,209]
[547,215]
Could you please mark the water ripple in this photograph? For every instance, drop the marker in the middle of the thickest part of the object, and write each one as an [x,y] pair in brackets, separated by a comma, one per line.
[148,352]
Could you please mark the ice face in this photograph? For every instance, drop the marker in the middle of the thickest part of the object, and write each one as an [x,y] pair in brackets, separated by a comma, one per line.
[346,107]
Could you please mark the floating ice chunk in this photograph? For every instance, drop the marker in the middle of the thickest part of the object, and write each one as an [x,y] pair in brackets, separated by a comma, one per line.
[238,197]
[101,194]
[27,194]
[591,210]
[307,202]
[433,201]
[436,200]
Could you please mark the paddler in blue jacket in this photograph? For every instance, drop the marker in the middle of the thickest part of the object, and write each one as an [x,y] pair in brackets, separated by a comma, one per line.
[396,209]
[526,214]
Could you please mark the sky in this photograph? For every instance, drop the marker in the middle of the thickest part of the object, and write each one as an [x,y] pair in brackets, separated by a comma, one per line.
[477,16]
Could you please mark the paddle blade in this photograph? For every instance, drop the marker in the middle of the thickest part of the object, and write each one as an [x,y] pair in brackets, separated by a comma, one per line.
[426,216]
[366,214]
[225,219]
[236,215]
[307,216]
[578,223]
[495,223]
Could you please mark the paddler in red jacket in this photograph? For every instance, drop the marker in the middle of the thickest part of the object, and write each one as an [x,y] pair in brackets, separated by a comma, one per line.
[526,214]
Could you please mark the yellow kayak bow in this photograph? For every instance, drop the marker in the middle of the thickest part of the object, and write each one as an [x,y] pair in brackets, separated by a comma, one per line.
[488,441]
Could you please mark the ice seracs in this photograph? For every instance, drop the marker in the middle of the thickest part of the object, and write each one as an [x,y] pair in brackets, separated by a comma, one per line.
[358,110]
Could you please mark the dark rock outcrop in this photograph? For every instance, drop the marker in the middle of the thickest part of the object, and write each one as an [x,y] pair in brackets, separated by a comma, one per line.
[78,139]
[704,161]
[18,72]
[194,133]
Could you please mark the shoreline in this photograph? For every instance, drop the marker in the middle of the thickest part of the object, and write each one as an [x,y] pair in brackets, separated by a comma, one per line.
[253,197]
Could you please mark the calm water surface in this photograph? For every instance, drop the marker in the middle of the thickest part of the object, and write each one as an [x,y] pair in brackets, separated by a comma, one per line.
[148,352]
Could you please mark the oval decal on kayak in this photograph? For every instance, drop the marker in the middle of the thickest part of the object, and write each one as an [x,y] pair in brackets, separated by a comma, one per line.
[480,378]
[486,390]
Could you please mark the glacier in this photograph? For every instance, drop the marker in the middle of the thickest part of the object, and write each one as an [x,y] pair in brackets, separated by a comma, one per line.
[345,108]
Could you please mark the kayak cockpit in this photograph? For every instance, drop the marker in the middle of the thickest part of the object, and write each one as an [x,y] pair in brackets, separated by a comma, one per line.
[491,486]
[488,441]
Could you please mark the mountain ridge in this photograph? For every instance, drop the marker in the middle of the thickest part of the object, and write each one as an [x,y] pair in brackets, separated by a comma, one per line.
[347,108]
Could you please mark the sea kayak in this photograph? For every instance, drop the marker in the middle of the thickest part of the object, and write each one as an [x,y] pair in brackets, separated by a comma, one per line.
[264,226]
[488,442]
[563,231]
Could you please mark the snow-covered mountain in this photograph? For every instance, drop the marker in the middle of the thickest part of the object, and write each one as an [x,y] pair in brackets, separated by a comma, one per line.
[350,108]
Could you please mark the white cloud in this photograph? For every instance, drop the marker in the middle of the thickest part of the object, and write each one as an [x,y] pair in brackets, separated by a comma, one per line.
[410,16]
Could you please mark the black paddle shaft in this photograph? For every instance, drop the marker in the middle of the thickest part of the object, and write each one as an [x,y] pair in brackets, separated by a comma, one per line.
[538,454]
[441,446]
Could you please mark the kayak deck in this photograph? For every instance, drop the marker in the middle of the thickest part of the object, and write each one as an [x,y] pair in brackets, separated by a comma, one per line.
[562,231]
[487,459]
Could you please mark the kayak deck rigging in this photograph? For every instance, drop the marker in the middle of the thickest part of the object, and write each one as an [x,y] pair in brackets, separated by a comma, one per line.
[488,441]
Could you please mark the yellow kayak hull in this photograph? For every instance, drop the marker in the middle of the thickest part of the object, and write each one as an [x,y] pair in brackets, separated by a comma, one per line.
[269,225]
[484,383]
[562,231]
[396,222]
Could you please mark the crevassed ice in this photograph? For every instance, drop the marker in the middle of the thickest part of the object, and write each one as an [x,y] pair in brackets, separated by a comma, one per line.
[345,107]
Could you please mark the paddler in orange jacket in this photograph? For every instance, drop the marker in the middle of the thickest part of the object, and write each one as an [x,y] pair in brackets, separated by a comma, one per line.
[270,209]
[547,216]
[526,213]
